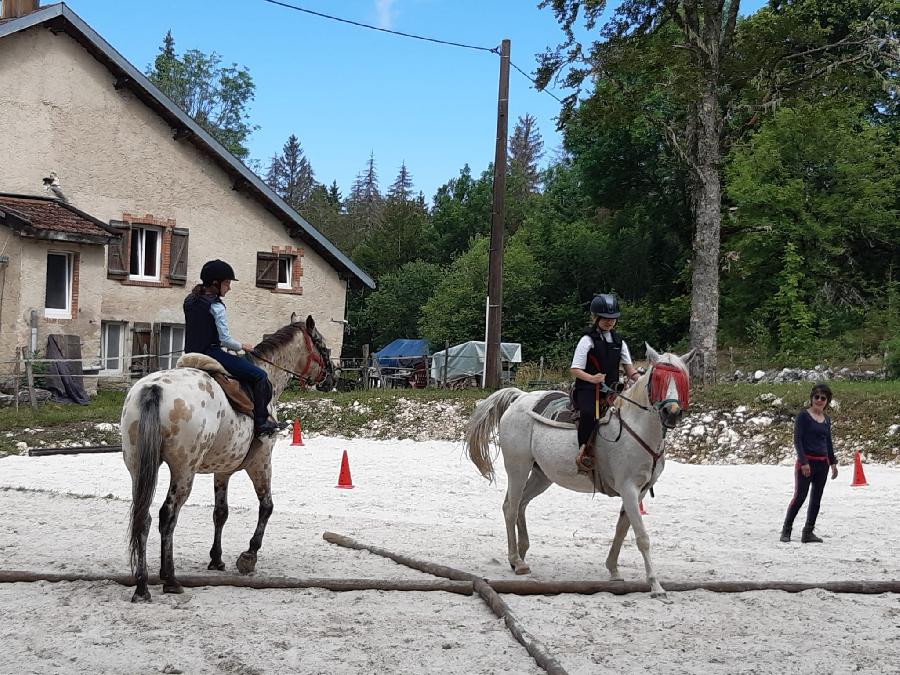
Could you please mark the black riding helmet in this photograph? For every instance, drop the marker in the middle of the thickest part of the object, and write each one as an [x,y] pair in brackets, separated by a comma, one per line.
[605,305]
[216,270]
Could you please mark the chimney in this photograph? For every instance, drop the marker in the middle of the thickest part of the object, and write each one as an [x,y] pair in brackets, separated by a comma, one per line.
[13,9]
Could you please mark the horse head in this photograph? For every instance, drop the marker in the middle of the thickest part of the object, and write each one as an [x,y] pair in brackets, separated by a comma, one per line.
[319,358]
[669,385]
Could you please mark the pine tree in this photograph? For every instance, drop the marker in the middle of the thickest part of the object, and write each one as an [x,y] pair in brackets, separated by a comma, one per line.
[334,194]
[401,189]
[526,148]
[293,177]
[273,174]
[365,203]
[365,188]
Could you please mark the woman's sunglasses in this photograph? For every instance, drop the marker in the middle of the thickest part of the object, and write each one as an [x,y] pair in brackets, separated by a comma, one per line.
[819,397]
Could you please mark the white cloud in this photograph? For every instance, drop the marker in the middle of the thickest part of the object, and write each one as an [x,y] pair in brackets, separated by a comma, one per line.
[384,11]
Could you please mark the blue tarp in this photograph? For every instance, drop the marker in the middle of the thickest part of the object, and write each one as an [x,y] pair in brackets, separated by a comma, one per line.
[402,353]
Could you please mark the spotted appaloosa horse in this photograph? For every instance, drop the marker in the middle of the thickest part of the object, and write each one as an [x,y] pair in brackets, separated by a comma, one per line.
[182,417]
[537,454]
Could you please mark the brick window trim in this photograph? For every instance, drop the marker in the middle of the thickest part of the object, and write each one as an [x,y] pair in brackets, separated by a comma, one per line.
[166,225]
[296,255]
[76,268]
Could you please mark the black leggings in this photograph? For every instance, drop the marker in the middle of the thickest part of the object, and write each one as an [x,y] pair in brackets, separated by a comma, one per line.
[587,418]
[817,478]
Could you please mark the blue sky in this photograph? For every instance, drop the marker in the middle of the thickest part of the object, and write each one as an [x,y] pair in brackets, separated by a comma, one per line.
[346,91]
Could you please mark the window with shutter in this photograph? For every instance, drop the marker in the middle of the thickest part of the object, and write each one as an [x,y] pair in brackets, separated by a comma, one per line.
[266,270]
[178,257]
[117,251]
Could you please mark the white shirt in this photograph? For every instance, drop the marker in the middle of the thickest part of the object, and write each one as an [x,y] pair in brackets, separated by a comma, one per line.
[585,344]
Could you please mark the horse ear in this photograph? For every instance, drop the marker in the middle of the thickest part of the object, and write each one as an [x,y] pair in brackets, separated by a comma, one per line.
[652,355]
[293,317]
[687,357]
[310,323]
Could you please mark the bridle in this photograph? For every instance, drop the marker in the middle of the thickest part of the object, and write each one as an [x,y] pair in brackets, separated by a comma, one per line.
[655,406]
[313,355]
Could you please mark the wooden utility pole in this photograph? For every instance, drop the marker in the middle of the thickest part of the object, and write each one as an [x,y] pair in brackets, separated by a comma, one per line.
[498,221]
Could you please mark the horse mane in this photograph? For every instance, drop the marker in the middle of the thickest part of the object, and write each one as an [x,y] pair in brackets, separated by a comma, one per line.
[279,338]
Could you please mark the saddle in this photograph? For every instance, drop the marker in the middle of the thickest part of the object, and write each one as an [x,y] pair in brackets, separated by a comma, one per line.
[556,406]
[238,396]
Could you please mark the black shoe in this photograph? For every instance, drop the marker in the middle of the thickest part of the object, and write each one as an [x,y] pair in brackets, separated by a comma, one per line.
[785,534]
[809,537]
[266,428]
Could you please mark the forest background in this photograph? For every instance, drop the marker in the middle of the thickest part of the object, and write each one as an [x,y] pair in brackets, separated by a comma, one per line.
[809,164]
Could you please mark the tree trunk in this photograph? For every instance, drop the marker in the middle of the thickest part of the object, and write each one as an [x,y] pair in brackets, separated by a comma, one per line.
[707,194]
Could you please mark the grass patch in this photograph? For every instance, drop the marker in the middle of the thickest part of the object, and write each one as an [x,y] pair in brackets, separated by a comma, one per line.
[60,423]
[106,406]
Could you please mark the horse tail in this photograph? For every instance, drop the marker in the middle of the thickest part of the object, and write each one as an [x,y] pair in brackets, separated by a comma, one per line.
[143,484]
[481,427]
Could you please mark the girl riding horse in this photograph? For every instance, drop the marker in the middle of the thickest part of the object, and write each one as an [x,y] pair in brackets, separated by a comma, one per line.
[206,332]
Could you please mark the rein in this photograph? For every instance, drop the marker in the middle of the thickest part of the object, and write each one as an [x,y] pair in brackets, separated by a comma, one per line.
[312,356]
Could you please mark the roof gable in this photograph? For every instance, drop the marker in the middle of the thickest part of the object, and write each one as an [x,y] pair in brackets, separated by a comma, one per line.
[59,17]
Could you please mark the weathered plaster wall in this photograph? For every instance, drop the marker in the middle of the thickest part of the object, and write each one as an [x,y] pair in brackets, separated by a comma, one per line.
[113,156]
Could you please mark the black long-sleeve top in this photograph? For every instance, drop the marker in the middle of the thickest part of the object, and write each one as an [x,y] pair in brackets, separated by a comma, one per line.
[812,439]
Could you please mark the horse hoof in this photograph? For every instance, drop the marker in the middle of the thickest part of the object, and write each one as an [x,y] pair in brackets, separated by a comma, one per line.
[246,563]
[216,565]
[661,596]
[141,597]
[522,569]
[173,587]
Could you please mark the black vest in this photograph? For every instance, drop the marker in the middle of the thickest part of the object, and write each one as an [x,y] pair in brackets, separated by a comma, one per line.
[200,332]
[607,354]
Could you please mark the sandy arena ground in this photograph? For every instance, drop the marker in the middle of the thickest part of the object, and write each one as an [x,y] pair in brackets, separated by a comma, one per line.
[425,499]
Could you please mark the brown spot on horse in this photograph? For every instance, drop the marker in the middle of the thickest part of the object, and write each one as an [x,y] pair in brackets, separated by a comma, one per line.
[180,411]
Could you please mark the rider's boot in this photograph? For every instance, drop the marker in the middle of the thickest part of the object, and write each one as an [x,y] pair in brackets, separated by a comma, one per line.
[262,394]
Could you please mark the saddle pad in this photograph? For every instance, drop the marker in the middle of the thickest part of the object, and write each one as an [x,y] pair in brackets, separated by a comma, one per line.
[236,395]
[556,406]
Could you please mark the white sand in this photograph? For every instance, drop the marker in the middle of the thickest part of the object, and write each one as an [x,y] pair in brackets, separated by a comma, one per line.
[426,500]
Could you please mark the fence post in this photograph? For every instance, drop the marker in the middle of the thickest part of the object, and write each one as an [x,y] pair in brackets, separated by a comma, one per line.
[364,369]
[29,373]
[446,359]
[17,376]
[541,369]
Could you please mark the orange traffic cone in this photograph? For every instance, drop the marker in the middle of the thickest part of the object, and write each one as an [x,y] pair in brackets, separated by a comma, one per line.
[641,505]
[859,477]
[298,437]
[344,480]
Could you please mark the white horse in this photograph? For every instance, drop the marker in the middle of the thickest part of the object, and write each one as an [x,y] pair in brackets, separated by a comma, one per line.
[538,452]
[183,418]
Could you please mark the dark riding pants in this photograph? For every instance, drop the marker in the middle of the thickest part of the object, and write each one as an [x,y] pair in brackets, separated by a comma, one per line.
[587,412]
[253,376]
[817,478]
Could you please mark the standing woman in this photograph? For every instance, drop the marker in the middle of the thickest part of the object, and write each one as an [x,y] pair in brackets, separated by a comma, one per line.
[597,358]
[206,331]
[815,453]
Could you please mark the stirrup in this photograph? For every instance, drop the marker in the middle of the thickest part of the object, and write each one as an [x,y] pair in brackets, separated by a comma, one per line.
[266,428]
[584,462]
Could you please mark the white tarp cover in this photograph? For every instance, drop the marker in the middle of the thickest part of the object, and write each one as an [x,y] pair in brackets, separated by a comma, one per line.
[468,359]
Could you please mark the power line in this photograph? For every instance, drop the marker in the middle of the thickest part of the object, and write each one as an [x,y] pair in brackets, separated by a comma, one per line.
[533,82]
[493,50]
